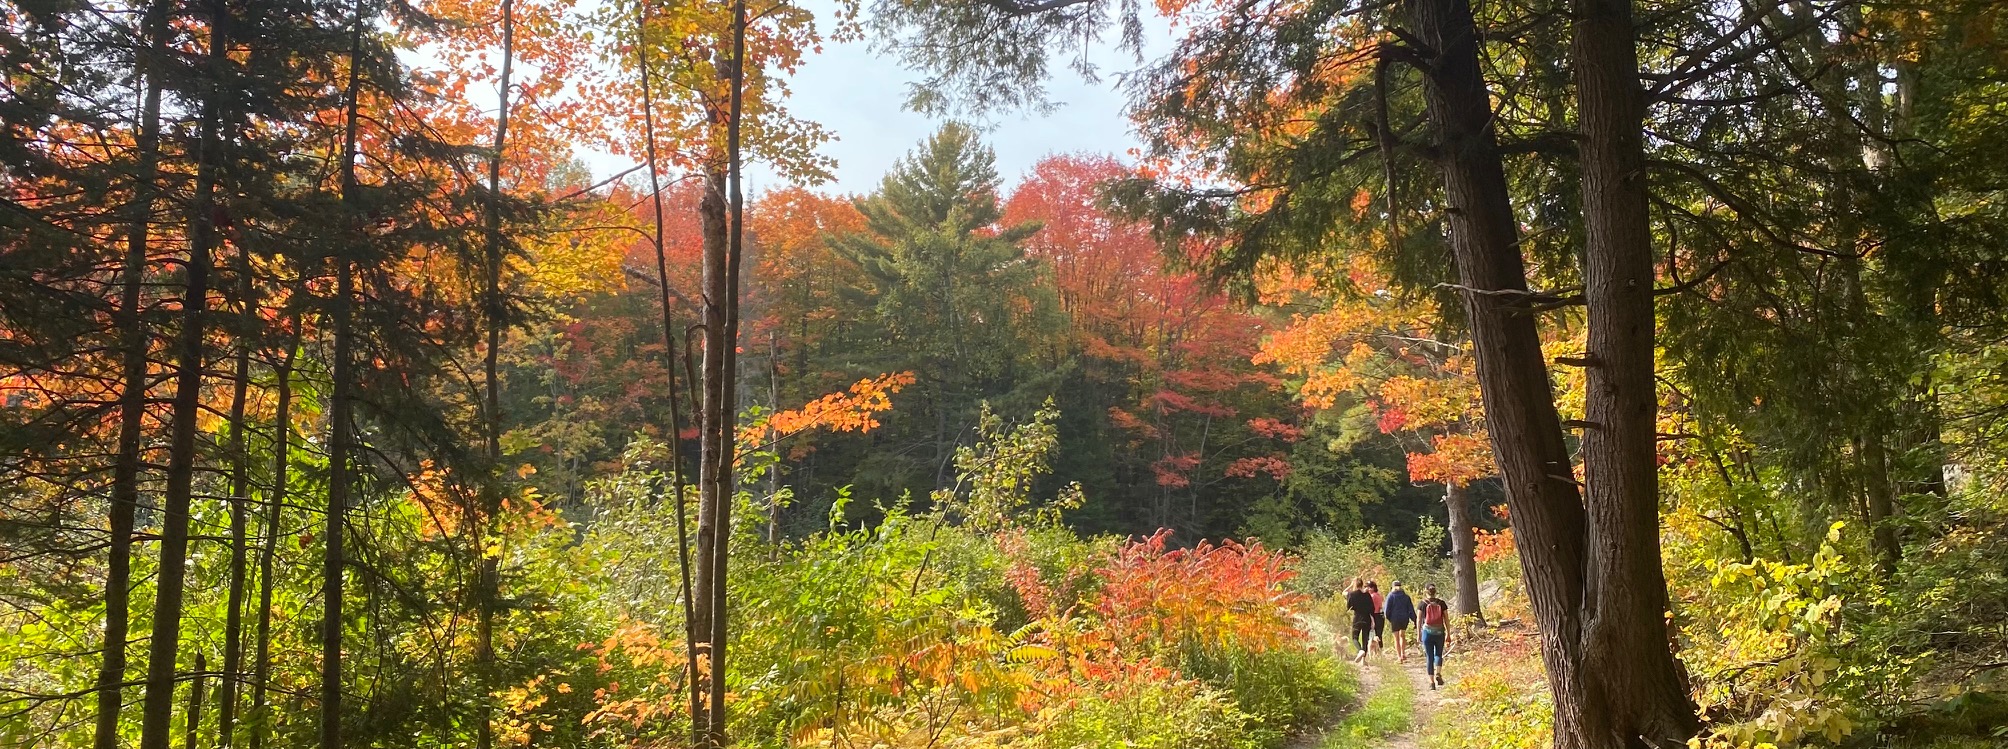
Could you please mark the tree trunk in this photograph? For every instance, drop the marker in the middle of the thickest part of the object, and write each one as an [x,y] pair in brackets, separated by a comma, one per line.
[192,732]
[133,395]
[488,582]
[724,235]
[1520,411]
[1881,504]
[674,438]
[169,583]
[1463,549]
[261,664]
[1625,655]
[240,489]
[340,418]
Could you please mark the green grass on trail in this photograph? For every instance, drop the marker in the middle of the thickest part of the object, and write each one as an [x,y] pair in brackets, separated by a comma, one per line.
[1389,710]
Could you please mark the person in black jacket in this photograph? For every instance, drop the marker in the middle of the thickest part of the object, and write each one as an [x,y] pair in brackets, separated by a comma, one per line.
[1361,603]
[1400,611]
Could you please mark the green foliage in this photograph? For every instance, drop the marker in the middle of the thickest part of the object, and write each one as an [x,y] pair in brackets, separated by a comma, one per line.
[994,477]
[1330,562]
[1389,710]
[1281,689]
[1780,657]
[1147,715]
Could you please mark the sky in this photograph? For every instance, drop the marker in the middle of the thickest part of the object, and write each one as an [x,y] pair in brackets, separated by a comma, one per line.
[859,96]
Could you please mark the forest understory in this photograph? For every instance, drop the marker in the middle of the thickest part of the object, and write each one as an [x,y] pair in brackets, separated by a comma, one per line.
[350,398]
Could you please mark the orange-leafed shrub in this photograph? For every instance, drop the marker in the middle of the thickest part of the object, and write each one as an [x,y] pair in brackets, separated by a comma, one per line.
[1226,595]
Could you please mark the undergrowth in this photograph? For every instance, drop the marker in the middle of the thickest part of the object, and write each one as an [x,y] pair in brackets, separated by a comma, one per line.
[1389,710]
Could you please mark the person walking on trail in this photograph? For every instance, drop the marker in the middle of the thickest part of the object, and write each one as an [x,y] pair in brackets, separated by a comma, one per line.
[1361,604]
[1380,614]
[1400,613]
[1435,633]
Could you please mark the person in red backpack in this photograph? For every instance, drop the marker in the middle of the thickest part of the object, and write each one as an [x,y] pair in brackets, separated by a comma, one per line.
[1435,634]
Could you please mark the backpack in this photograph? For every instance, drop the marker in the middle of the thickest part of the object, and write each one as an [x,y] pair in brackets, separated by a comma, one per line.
[1432,614]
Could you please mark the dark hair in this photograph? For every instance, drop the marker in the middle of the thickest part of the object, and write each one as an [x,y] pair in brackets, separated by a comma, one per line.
[1430,588]
[1373,586]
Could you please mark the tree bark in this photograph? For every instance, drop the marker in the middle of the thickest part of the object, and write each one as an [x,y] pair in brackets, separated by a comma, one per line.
[1463,549]
[261,664]
[133,395]
[1888,547]
[340,406]
[713,412]
[488,583]
[674,438]
[240,489]
[164,644]
[1626,655]
[1520,414]
[724,234]
[192,732]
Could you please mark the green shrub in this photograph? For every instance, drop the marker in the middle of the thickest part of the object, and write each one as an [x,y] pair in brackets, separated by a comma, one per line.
[1283,689]
[1139,714]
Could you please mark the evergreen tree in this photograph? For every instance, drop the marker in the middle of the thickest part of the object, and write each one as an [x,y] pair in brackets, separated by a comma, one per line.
[949,295]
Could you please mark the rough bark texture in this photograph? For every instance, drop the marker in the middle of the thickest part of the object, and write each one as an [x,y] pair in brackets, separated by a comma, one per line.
[1520,414]
[1463,549]
[1625,655]
[133,396]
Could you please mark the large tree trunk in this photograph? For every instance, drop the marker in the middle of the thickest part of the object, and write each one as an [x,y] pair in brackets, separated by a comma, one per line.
[1526,431]
[1463,549]
[165,643]
[488,575]
[1626,658]
[133,395]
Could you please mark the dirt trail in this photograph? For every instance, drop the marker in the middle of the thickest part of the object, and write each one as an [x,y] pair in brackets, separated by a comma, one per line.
[1373,675]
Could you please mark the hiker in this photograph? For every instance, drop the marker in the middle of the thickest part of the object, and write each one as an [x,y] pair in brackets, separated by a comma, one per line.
[1380,614]
[1435,633]
[1400,612]
[1361,603]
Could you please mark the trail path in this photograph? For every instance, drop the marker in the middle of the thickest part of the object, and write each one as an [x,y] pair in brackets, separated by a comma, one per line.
[1375,677]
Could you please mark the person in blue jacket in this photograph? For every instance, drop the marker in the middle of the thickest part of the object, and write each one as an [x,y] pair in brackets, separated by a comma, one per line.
[1400,610]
